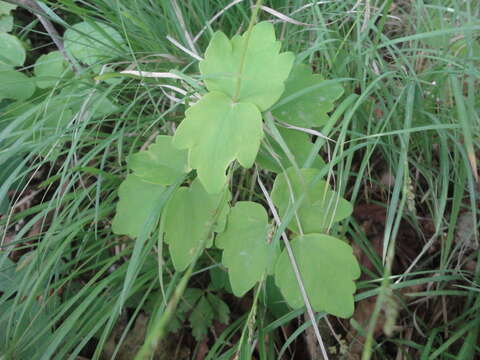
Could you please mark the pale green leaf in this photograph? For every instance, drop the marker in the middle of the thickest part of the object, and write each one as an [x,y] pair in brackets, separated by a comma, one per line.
[320,207]
[328,269]
[201,319]
[49,69]
[75,96]
[246,251]
[161,164]
[6,8]
[298,143]
[191,217]
[6,23]
[220,308]
[216,132]
[8,275]
[264,69]
[308,107]
[15,85]
[12,51]
[138,199]
[92,42]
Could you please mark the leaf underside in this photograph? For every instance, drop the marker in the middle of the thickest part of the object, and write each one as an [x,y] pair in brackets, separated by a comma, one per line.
[320,206]
[328,269]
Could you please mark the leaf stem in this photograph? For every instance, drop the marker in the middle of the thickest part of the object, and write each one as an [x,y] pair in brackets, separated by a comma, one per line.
[296,271]
[253,20]
[159,329]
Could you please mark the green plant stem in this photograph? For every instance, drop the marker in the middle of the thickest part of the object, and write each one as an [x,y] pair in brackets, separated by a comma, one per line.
[253,20]
[251,318]
[159,329]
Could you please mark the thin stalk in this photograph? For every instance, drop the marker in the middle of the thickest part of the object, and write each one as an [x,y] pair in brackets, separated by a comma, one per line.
[296,271]
[159,329]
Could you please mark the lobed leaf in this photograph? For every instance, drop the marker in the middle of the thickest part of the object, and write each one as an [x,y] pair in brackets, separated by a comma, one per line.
[299,145]
[262,69]
[308,107]
[320,207]
[328,269]
[246,252]
[138,199]
[191,217]
[201,319]
[217,131]
[161,164]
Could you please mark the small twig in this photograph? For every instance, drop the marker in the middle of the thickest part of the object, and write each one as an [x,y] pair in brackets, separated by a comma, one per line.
[33,7]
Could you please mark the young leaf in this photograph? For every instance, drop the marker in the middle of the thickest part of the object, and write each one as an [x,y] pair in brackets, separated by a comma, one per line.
[221,309]
[328,269]
[91,42]
[161,164]
[48,69]
[15,85]
[308,109]
[201,319]
[13,52]
[137,201]
[262,70]
[320,207]
[192,215]
[246,252]
[299,145]
[217,131]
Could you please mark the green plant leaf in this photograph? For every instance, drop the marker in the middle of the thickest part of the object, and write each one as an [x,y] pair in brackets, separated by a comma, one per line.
[246,251]
[6,23]
[264,69]
[76,94]
[201,319]
[221,309]
[13,52]
[191,217]
[161,164]
[217,131]
[320,207]
[8,276]
[299,145]
[328,269]
[137,201]
[48,69]
[92,42]
[15,85]
[6,8]
[308,109]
